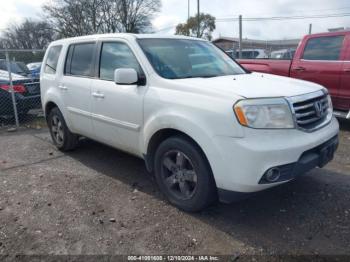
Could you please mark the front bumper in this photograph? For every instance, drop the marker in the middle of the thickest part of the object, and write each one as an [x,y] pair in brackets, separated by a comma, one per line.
[315,157]
[238,164]
[342,114]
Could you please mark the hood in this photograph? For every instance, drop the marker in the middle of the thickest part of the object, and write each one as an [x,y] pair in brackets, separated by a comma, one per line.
[254,85]
[4,76]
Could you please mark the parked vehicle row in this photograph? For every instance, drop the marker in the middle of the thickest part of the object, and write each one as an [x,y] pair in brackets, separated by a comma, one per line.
[283,54]
[18,68]
[31,70]
[204,125]
[26,87]
[27,94]
[320,58]
[34,69]
[249,53]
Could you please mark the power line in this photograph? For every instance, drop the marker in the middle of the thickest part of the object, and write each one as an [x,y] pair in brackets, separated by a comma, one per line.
[272,18]
[301,11]
[283,17]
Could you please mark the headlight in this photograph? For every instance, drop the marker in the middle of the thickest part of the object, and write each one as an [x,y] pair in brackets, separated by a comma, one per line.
[264,113]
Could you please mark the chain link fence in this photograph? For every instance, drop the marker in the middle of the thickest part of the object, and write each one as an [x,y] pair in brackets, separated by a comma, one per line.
[20,102]
[275,37]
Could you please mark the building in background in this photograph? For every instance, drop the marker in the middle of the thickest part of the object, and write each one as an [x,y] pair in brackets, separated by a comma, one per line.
[232,43]
[337,29]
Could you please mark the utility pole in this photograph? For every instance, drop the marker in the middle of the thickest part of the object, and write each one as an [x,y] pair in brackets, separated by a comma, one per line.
[13,98]
[240,35]
[310,29]
[198,20]
[188,10]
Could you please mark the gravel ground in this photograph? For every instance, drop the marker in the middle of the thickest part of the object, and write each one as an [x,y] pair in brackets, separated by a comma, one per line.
[98,200]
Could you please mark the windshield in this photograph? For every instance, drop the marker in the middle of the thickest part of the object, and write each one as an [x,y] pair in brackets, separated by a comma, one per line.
[182,58]
[23,67]
[14,67]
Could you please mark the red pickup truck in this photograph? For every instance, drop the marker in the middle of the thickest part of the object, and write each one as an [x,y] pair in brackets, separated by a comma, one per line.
[320,58]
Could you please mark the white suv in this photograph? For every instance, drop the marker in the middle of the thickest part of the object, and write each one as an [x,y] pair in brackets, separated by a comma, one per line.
[205,126]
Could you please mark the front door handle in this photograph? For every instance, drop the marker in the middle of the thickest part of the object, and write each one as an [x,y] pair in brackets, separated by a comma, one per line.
[299,68]
[98,95]
[347,70]
[62,87]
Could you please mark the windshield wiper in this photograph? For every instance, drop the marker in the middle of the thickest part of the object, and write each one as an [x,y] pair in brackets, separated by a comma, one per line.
[203,76]
[209,76]
[51,67]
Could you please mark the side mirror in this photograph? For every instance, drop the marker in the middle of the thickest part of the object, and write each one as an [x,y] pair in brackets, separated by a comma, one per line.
[125,76]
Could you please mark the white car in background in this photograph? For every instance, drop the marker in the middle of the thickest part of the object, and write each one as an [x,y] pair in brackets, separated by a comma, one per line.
[207,128]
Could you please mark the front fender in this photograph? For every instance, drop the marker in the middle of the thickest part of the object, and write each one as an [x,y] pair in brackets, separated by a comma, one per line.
[198,131]
[176,121]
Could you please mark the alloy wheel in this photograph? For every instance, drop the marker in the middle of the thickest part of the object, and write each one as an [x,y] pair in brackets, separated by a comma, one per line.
[57,130]
[179,175]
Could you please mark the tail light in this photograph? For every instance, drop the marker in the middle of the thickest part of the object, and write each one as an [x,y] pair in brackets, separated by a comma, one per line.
[16,88]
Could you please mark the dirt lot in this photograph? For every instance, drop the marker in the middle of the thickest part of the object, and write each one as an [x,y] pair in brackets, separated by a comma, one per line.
[97,200]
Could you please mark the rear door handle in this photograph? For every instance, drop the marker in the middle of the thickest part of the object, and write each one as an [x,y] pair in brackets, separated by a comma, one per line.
[299,68]
[347,70]
[98,95]
[62,87]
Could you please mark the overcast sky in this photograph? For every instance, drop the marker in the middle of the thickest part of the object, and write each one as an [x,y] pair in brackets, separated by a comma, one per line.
[175,11]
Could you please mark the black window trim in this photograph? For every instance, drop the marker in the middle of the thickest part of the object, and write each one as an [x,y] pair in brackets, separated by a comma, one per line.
[68,59]
[232,58]
[323,60]
[59,55]
[99,53]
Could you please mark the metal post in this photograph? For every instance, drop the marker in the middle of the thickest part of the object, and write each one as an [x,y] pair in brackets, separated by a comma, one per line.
[11,88]
[188,11]
[310,29]
[240,36]
[198,20]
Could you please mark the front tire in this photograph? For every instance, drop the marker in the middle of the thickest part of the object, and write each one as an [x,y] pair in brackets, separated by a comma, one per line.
[183,174]
[62,138]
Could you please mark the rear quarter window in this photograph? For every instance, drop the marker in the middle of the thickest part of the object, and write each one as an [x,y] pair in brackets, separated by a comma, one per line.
[52,59]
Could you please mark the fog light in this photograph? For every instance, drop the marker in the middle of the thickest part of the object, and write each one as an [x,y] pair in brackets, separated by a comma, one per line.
[273,174]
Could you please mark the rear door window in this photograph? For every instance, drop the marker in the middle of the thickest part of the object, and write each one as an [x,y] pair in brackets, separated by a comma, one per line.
[52,59]
[79,60]
[323,48]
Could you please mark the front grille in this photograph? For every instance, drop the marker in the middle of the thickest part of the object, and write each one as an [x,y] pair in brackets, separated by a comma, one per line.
[311,112]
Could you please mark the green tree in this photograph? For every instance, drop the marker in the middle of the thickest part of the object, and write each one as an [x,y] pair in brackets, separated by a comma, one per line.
[190,28]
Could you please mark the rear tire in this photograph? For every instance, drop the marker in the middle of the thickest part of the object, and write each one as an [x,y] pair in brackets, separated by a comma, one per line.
[62,138]
[183,174]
